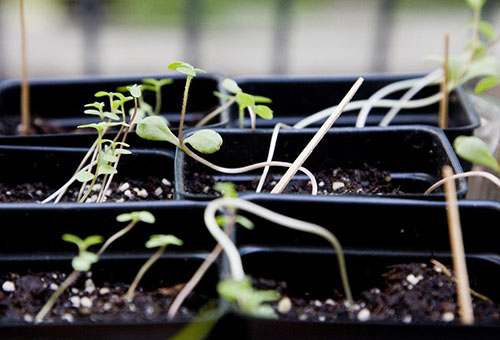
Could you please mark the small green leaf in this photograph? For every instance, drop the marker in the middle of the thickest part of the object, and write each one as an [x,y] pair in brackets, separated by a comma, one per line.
[199,70]
[474,150]
[245,100]
[104,94]
[73,239]
[84,176]
[244,222]
[124,217]
[263,112]
[165,81]
[156,241]
[89,256]
[146,217]
[486,84]
[175,65]
[105,169]
[227,189]
[97,105]
[81,264]
[476,4]
[185,68]
[231,86]
[110,158]
[135,90]
[186,71]
[263,100]
[93,112]
[486,66]
[122,152]
[155,128]
[205,141]
[92,240]
[111,115]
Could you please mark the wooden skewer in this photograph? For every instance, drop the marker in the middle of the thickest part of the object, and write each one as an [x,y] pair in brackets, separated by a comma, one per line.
[25,90]
[283,182]
[443,105]
[464,300]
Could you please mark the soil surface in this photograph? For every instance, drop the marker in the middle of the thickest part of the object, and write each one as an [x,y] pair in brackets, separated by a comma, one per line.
[22,297]
[151,189]
[11,126]
[413,292]
[366,181]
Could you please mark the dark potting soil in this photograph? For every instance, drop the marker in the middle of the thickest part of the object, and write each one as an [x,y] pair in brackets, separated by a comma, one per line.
[366,181]
[414,292]
[153,188]
[11,126]
[23,296]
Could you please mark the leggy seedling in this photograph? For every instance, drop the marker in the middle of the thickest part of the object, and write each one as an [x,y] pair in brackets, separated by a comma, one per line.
[155,241]
[237,272]
[155,85]
[80,263]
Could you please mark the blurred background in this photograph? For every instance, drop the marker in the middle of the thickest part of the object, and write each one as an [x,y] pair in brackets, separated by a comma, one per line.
[306,37]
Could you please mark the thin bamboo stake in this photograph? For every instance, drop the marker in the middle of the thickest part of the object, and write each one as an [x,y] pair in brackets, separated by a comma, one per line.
[316,139]
[25,90]
[464,299]
[443,105]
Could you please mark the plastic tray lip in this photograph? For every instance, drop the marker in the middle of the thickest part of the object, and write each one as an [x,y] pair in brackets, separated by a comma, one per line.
[436,132]
[472,116]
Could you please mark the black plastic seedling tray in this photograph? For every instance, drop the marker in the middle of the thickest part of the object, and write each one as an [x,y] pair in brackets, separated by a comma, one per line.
[413,156]
[295,98]
[314,272]
[54,166]
[61,101]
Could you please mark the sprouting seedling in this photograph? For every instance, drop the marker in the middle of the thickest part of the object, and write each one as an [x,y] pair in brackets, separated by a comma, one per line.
[228,221]
[237,272]
[155,241]
[104,154]
[246,101]
[155,85]
[80,263]
[190,71]
[251,301]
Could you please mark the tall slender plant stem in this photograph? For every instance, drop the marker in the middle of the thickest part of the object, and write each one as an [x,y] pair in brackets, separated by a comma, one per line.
[25,91]
[464,300]
[230,249]
[131,291]
[116,236]
[443,105]
[184,105]
[216,112]
[50,303]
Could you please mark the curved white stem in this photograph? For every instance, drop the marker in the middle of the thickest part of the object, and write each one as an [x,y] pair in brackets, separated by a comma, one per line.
[251,167]
[494,179]
[419,85]
[358,104]
[216,112]
[272,147]
[235,263]
[253,118]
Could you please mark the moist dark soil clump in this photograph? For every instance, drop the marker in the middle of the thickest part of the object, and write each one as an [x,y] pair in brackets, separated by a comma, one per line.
[22,297]
[366,181]
[151,189]
[413,292]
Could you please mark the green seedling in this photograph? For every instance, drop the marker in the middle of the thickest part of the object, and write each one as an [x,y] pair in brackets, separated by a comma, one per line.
[238,288]
[80,263]
[246,101]
[155,241]
[155,85]
[191,72]
[104,155]
[249,300]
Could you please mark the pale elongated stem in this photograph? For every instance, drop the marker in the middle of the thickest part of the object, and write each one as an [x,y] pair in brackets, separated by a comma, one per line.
[272,147]
[358,104]
[381,93]
[253,118]
[492,178]
[251,167]
[131,291]
[419,85]
[50,303]
[230,249]
[184,106]
[216,112]
[116,236]
[318,136]
[198,275]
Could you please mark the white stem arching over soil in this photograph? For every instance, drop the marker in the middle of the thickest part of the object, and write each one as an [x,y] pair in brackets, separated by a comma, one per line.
[376,100]
[237,272]
[492,178]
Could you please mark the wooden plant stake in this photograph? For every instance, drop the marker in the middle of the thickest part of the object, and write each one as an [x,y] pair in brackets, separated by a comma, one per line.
[283,182]
[464,300]
[443,105]
[25,90]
